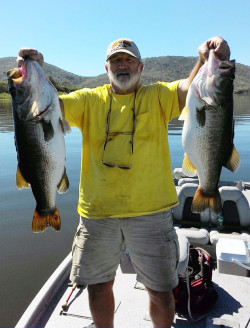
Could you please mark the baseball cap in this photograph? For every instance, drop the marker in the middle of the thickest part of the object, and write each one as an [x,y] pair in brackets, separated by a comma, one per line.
[123,45]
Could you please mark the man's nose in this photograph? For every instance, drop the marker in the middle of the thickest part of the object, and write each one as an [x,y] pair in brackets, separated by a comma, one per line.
[123,64]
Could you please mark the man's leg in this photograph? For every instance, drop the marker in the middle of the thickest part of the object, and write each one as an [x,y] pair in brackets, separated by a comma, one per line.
[97,249]
[161,308]
[102,304]
[153,247]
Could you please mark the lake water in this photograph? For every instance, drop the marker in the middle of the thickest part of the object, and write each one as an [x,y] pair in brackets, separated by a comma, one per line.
[28,259]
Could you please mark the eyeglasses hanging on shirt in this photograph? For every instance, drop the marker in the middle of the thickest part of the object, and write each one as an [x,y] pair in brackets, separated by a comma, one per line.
[119,145]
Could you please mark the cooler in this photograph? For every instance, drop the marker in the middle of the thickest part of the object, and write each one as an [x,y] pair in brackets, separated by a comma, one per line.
[232,257]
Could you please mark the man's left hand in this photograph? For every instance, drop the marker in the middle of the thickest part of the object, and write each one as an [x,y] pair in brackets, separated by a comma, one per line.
[219,46]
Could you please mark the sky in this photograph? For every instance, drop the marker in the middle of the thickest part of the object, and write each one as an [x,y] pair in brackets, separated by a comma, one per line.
[74,34]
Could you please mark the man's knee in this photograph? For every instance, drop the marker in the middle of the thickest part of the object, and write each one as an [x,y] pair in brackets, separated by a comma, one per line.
[102,288]
[161,296]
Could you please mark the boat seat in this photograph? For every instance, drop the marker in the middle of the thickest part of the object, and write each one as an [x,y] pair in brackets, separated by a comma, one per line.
[127,266]
[239,184]
[178,174]
[188,180]
[180,178]
[195,226]
[235,216]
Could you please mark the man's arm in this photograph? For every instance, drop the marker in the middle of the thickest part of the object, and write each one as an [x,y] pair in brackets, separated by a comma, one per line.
[221,50]
[184,85]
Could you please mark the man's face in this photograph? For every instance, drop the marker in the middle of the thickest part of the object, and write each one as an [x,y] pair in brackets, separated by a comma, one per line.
[124,71]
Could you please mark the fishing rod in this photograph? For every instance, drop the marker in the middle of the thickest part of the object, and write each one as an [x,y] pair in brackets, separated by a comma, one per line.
[65,305]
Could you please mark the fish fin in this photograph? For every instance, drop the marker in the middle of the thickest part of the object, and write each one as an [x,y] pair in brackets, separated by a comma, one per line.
[48,130]
[64,125]
[187,167]
[20,181]
[184,114]
[63,185]
[209,100]
[201,115]
[41,222]
[201,202]
[234,161]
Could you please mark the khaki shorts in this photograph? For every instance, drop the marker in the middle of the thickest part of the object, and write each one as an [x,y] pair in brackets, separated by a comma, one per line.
[151,242]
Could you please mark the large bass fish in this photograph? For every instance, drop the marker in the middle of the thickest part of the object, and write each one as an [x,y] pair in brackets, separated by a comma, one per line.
[208,131]
[39,139]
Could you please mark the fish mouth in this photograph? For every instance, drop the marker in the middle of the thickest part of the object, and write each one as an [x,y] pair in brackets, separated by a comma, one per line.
[17,75]
[227,68]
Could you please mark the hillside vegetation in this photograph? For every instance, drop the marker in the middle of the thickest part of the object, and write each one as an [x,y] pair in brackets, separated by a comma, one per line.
[167,68]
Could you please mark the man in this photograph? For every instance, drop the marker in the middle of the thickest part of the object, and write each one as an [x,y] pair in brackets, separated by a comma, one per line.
[126,189]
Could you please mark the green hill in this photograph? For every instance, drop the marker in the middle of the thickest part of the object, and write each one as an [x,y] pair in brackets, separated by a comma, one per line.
[156,69]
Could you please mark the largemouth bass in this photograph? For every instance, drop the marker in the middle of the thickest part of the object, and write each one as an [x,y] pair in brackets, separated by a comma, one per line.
[39,138]
[208,131]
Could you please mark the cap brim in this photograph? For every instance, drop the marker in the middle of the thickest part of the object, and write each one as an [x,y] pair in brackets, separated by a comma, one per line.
[122,50]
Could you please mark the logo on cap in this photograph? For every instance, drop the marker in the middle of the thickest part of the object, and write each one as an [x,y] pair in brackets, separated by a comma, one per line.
[120,44]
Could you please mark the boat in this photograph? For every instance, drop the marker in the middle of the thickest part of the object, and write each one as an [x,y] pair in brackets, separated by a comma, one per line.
[61,304]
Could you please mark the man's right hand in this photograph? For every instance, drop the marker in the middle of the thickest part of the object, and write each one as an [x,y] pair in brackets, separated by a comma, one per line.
[30,53]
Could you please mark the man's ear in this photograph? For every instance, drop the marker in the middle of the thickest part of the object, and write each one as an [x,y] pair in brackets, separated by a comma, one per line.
[106,67]
[141,67]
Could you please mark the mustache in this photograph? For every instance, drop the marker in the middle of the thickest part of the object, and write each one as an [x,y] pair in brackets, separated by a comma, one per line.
[122,71]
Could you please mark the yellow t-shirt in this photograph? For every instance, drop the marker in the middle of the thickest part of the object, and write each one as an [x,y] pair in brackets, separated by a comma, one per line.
[147,187]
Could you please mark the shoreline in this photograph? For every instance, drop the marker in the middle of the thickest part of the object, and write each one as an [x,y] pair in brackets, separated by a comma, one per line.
[6,96]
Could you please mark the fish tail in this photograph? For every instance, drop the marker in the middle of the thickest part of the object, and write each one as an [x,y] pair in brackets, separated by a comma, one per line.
[54,220]
[41,222]
[201,202]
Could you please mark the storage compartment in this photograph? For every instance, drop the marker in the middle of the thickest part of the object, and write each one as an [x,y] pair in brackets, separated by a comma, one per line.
[232,257]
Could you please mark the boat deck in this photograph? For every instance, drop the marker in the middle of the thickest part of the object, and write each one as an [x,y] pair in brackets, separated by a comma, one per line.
[232,308]
[131,302]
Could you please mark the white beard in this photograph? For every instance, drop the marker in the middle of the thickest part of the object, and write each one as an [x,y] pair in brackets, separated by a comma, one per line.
[127,83]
